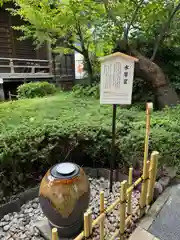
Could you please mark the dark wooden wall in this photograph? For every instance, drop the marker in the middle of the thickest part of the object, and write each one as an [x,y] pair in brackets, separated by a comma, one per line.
[10,46]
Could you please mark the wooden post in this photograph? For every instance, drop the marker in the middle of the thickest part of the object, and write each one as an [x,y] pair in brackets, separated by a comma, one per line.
[152,176]
[50,58]
[129,203]
[54,234]
[86,224]
[149,107]
[11,64]
[123,209]
[9,94]
[101,211]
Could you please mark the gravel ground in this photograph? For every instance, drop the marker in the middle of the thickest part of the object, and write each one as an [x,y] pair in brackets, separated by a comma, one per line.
[21,225]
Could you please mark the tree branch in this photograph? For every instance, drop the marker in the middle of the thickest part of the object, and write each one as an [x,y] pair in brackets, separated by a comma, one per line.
[63,41]
[110,13]
[71,46]
[164,30]
[126,32]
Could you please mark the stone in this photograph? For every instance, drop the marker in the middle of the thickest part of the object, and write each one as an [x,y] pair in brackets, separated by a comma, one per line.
[171,172]
[1,234]
[3,224]
[6,218]
[28,210]
[164,181]
[141,234]
[93,193]
[6,228]
[158,189]
[34,205]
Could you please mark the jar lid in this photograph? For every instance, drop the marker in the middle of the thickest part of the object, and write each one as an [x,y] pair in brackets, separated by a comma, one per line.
[65,170]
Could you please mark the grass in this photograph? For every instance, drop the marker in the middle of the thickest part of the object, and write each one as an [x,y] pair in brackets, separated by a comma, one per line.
[63,107]
[24,122]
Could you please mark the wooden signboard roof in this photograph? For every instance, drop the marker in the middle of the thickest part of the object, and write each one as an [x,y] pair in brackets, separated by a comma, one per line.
[118,54]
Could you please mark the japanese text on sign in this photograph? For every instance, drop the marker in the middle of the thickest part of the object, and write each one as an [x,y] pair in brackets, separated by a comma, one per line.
[116,81]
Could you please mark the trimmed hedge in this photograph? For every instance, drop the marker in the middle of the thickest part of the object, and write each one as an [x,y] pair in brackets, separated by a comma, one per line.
[35,89]
[37,133]
[43,130]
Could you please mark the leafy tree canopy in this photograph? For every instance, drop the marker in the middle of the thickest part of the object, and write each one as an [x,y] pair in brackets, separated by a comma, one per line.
[94,27]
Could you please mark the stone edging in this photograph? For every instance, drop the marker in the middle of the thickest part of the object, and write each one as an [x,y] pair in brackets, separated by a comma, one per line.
[15,205]
[147,220]
[161,195]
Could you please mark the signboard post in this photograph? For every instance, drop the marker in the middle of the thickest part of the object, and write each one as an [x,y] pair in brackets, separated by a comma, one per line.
[117,73]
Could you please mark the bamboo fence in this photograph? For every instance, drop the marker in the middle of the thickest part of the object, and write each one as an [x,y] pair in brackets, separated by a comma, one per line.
[147,179]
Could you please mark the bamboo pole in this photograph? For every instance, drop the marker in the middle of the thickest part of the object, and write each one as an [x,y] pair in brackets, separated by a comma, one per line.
[90,222]
[143,196]
[54,234]
[98,219]
[102,216]
[115,235]
[129,203]
[112,206]
[123,208]
[117,201]
[101,211]
[139,180]
[127,221]
[152,176]
[86,224]
[144,188]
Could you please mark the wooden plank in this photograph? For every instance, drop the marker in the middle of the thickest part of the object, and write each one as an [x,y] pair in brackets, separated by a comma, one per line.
[4,50]
[5,46]
[25,59]
[25,75]
[3,40]
[29,66]
[4,29]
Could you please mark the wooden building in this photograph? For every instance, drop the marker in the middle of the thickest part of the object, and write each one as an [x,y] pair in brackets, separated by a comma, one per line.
[21,62]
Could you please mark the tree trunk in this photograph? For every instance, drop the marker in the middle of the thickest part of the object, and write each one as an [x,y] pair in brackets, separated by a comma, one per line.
[165,94]
[88,66]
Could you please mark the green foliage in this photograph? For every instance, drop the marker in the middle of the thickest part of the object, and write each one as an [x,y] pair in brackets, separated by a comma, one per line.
[40,132]
[86,91]
[65,24]
[35,89]
[141,92]
[92,28]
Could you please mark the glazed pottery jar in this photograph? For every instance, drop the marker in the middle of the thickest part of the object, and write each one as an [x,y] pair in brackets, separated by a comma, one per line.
[64,197]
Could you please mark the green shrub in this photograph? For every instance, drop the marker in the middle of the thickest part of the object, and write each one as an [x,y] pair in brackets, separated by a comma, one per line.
[36,133]
[86,90]
[141,92]
[35,89]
